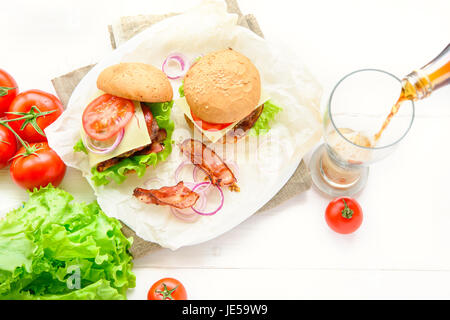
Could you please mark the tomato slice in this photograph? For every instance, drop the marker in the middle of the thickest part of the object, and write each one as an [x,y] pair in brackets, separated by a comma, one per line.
[105,116]
[209,126]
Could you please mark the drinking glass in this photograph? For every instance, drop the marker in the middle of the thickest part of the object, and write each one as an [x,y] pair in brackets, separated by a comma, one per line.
[356,110]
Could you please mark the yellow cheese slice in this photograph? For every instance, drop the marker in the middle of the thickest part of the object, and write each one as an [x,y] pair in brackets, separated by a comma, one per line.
[136,135]
[214,136]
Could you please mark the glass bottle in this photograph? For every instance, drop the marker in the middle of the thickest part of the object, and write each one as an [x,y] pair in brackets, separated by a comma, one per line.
[421,83]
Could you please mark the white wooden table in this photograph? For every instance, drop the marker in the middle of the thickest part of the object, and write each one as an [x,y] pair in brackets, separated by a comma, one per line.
[402,248]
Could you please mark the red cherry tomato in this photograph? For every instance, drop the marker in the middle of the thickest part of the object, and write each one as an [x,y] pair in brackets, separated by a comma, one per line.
[8,146]
[37,169]
[8,91]
[344,215]
[209,126]
[104,117]
[32,103]
[167,289]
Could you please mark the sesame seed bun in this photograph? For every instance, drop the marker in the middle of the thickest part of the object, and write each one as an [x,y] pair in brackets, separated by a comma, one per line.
[222,87]
[136,81]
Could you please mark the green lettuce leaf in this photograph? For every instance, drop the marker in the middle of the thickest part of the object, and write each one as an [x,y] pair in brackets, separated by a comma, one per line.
[181,89]
[117,173]
[262,125]
[80,147]
[53,248]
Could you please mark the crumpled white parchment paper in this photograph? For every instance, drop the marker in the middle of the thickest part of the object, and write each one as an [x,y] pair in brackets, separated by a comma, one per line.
[265,164]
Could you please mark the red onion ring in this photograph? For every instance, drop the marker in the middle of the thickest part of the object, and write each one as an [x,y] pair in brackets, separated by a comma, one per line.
[202,201]
[179,168]
[203,188]
[222,200]
[100,150]
[204,185]
[185,217]
[190,185]
[188,214]
[180,59]
[194,174]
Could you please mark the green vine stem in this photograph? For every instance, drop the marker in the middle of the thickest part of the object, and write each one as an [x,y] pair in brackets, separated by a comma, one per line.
[22,142]
[30,118]
[5,90]
[347,213]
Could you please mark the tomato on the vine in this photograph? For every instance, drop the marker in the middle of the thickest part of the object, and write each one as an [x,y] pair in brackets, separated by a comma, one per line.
[8,91]
[36,166]
[8,146]
[344,215]
[37,110]
[167,289]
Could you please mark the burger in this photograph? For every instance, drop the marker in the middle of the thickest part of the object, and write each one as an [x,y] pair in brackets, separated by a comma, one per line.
[126,127]
[223,99]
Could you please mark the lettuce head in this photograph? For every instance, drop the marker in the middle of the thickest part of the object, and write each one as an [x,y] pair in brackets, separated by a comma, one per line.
[52,248]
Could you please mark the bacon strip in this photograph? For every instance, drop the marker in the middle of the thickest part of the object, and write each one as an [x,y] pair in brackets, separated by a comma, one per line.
[154,147]
[207,160]
[178,196]
[152,125]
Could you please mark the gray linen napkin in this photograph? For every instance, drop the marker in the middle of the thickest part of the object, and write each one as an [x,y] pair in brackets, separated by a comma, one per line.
[126,29]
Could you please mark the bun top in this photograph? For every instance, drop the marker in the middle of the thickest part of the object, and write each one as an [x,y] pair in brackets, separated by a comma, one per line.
[222,87]
[136,81]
